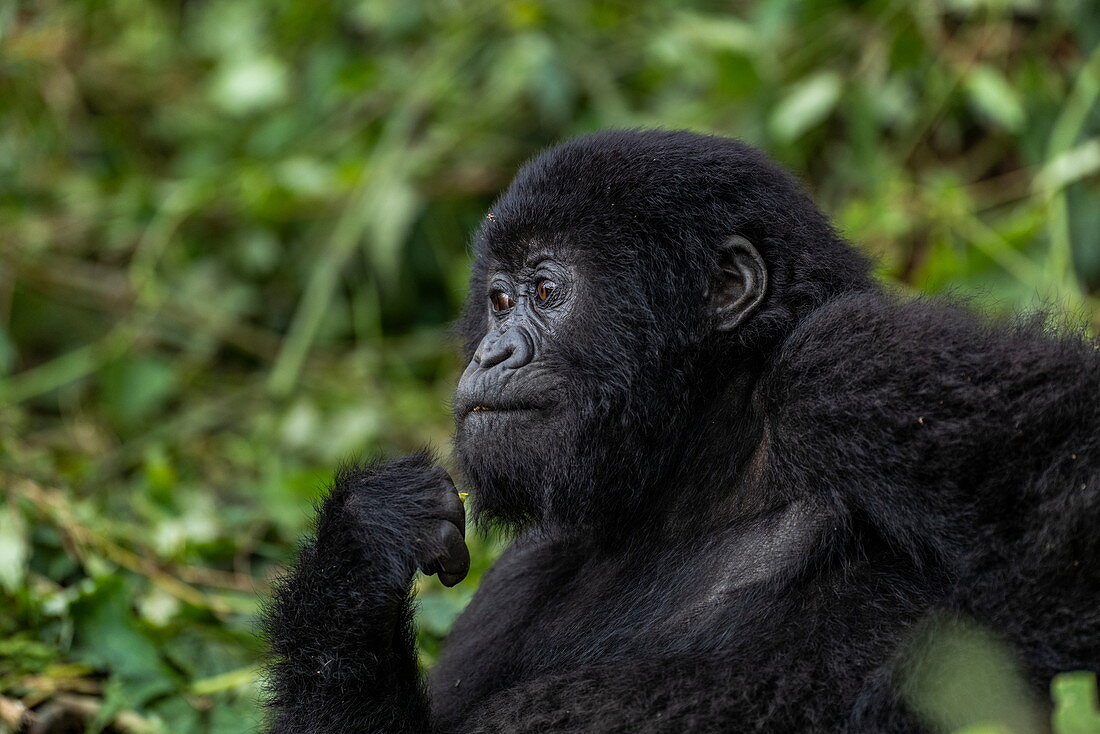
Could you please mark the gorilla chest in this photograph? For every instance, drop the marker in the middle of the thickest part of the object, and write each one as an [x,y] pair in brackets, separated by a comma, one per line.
[549,609]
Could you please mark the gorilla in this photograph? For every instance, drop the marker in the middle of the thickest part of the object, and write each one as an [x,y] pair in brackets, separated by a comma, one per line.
[741,480]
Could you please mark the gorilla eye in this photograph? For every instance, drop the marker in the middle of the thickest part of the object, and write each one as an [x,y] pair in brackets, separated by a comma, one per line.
[545,289]
[501,301]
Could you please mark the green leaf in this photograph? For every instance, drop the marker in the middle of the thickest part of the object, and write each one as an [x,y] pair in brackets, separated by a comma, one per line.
[807,104]
[1075,164]
[958,675]
[250,84]
[109,637]
[14,548]
[1076,707]
[437,612]
[8,352]
[992,96]
[134,388]
[985,729]
[721,32]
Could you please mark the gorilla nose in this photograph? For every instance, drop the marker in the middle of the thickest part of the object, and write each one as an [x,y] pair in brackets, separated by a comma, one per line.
[512,350]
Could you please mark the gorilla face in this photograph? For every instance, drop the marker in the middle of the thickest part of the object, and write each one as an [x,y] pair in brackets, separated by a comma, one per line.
[572,381]
[519,406]
[507,383]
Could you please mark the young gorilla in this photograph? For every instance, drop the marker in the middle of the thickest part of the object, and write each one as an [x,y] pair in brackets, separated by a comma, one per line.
[741,477]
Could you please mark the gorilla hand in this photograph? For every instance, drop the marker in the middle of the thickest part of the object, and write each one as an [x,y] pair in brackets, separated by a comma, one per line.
[398,516]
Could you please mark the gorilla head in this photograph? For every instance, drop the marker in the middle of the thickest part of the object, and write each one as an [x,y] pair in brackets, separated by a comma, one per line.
[622,304]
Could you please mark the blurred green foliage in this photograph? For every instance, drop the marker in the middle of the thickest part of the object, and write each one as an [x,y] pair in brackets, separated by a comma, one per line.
[962,679]
[232,233]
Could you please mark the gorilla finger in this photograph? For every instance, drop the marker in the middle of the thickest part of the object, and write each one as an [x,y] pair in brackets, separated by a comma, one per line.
[455,559]
[452,508]
[450,579]
[430,566]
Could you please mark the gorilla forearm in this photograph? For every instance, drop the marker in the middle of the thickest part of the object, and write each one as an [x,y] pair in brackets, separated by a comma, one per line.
[335,671]
[341,622]
[344,645]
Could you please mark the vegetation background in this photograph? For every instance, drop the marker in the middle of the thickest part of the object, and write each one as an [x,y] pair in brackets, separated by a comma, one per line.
[232,233]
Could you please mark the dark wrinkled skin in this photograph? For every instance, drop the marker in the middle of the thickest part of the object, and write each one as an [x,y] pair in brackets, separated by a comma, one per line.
[744,485]
[508,372]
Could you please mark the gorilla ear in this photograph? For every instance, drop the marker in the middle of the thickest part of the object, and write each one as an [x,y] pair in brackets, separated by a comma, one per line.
[741,283]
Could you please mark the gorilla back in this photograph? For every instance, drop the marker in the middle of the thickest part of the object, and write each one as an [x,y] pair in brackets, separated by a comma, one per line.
[744,482]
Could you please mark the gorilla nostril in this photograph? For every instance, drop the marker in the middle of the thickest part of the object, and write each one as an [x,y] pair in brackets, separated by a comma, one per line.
[522,350]
[496,353]
[512,350]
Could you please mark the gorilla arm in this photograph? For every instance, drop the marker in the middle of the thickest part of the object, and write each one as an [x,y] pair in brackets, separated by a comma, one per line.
[952,435]
[341,622]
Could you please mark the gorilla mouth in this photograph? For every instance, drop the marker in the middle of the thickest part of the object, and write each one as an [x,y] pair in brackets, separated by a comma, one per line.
[485,402]
[498,406]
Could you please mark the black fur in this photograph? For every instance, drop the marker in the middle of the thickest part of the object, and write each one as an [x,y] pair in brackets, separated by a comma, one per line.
[716,531]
